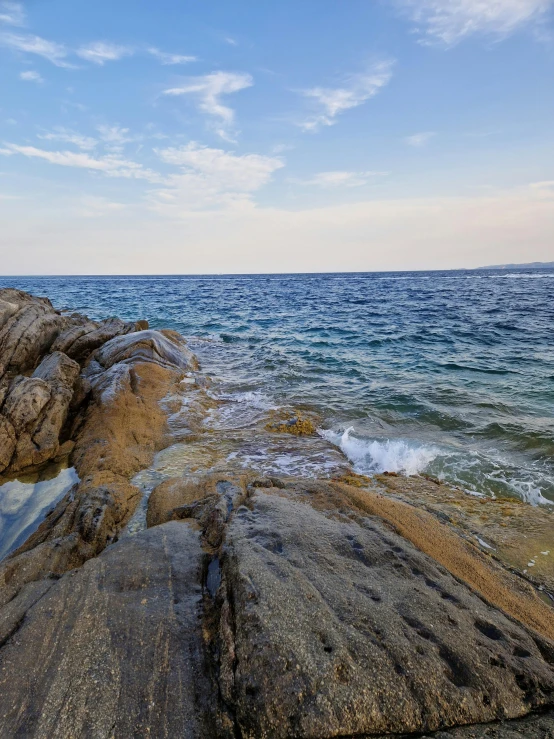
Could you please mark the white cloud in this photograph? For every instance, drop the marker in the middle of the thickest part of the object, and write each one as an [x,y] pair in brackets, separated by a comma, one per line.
[29,44]
[212,178]
[11,13]
[101,52]
[110,165]
[169,59]
[338,178]
[208,90]
[332,101]
[87,143]
[114,135]
[31,76]
[418,140]
[450,21]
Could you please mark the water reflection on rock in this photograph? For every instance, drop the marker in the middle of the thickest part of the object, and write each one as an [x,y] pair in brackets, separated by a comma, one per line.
[24,503]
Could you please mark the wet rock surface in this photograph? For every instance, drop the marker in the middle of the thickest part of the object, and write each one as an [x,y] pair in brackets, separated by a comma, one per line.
[257,604]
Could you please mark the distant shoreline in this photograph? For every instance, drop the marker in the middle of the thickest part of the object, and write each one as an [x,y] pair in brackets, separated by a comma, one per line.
[193,275]
[528,265]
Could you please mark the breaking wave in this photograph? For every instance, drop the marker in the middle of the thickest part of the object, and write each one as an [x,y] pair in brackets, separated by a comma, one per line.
[389,455]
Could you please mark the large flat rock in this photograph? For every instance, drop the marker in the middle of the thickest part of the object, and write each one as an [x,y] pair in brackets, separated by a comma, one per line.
[113,649]
[334,625]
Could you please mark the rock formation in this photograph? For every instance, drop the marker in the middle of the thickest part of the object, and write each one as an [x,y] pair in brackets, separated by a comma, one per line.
[252,606]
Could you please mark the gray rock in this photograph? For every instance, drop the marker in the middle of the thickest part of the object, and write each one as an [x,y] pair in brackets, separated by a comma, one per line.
[80,340]
[111,650]
[7,310]
[39,432]
[332,627]
[167,349]
[27,333]
[25,402]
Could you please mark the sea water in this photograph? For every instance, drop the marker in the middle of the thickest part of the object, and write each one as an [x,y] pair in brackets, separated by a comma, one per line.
[450,374]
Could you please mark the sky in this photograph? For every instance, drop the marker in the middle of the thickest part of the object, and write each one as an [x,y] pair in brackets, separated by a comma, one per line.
[182,137]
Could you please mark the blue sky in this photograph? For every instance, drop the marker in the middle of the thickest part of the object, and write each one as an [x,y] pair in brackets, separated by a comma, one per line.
[180,137]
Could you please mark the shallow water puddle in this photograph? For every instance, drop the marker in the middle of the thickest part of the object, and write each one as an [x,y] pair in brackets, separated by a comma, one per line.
[25,502]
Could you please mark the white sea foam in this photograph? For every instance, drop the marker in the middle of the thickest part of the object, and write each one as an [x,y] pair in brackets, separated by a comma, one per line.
[389,455]
[528,492]
[254,399]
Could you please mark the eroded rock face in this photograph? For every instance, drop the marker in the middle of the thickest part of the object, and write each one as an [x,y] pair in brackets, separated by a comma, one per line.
[40,352]
[329,623]
[27,332]
[80,340]
[36,408]
[337,627]
[107,415]
[114,649]
[165,348]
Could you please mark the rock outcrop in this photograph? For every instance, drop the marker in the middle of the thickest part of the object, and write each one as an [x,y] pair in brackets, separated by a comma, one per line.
[41,353]
[106,413]
[252,606]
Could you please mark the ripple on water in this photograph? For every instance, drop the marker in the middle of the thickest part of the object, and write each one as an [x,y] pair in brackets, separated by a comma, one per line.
[466,355]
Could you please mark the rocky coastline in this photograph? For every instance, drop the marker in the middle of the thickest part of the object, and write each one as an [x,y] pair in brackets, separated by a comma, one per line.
[221,601]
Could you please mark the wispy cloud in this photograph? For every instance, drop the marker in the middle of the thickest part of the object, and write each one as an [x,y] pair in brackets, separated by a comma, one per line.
[86,143]
[170,59]
[212,178]
[11,13]
[115,135]
[29,44]
[338,178]
[449,21]
[356,90]
[110,165]
[31,76]
[208,90]
[419,140]
[101,52]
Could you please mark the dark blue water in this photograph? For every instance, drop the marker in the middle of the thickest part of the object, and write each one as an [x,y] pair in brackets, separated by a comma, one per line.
[448,373]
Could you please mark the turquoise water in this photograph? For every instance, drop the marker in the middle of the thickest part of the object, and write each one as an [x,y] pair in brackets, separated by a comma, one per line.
[447,373]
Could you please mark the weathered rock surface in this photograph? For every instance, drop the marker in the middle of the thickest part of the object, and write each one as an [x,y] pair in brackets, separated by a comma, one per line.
[28,332]
[330,623]
[114,649]
[165,348]
[253,607]
[332,626]
[80,340]
[109,416]
[38,373]
[520,535]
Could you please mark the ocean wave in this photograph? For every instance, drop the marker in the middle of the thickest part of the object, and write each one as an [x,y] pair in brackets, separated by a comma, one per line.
[388,455]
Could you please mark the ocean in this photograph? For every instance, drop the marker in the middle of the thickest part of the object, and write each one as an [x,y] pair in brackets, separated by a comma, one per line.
[450,374]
